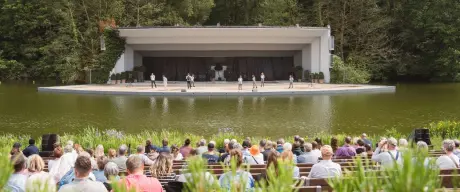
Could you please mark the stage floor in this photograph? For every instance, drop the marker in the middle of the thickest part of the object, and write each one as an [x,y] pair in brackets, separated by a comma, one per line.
[217,89]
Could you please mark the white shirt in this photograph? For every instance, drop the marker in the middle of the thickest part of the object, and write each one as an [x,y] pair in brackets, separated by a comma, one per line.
[385,159]
[317,152]
[16,182]
[165,80]
[262,77]
[179,157]
[253,78]
[145,159]
[325,169]
[308,157]
[152,77]
[192,78]
[291,79]
[446,162]
[62,166]
[240,80]
[200,150]
[254,160]
[47,182]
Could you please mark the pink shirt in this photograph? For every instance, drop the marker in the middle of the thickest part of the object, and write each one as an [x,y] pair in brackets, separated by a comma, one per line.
[143,183]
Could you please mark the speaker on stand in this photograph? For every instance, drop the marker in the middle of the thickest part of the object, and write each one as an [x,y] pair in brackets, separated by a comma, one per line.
[48,141]
[420,134]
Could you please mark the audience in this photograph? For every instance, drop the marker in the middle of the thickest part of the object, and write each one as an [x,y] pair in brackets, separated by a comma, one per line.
[211,155]
[31,149]
[99,173]
[99,152]
[262,144]
[62,166]
[402,144]
[176,155]
[120,161]
[449,160]
[255,156]
[287,155]
[57,154]
[228,178]
[346,150]
[223,149]
[186,148]
[325,168]
[267,149]
[202,148]
[16,149]
[422,147]
[38,180]
[287,147]
[17,181]
[387,158]
[315,149]
[148,146]
[154,153]
[457,150]
[246,145]
[308,156]
[71,174]
[368,151]
[164,148]
[279,145]
[111,173]
[365,140]
[334,144]
[93,160]
[162,168]
[140,153]
[82,181]
[111,154]
[296,148]
[226,156]
[136,178]
[302,142]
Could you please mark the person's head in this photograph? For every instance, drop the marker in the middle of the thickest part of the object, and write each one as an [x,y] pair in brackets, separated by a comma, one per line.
[233,141]
[165,142]
[68,149]
[187,142]
[287,147]
[448,145]
[151,74]
[254,150]
[31,141]
[268,145]
[19,162]
[326,152]
[363,136]
[280,141]
[422,145]
[210,147]
[134,164]
[70,142]
[122,150]
[90,152]
[359,150]
[301,141]
[16,149]
[403,143]
[457,143]
[162,166]
[230,146]
[112,153]
[262,143]
[347,140]
[296,138]
[101,162]
[192,153]
[319,142]
[111,170]
[360,142]
[99,151]
[140,149]
[82,166]
[392,143]
[238,156]
[174,149]
[334,143]
[308,147]
[213,142]
[246,144]
[226,142]
[36,164]
[202,142]
[58,152]
[287,155]
[272,159]
[314,145]
[368,147]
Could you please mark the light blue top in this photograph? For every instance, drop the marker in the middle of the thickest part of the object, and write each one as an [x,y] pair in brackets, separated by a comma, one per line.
[228,178]
[16,183]
[99,174]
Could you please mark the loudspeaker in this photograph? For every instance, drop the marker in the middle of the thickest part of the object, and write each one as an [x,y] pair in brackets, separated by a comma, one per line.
[420,134]
[48,141]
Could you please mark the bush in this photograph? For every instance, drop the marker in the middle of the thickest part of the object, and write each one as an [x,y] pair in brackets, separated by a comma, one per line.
[342,73]
[113,77]
[445,129]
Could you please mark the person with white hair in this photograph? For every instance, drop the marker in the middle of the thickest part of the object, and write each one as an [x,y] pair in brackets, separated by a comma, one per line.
[99,151]
[288,147]
[234,141]
[387,158]
[325,168]
[449,160]
[202,147]
[308,156]
[226,142]
[365,140]
[403,144]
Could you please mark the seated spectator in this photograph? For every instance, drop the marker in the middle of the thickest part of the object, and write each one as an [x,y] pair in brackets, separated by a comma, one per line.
[228,178]
[93,160]
[140,153]
[287,155]
[148,146]
[16,149]
[267,149]
[288,147]
[296,148]
[99,151]
[387,159]
[99,173]
[154,153]
[211,156]
[62,166]
[315,149]
[82,181]
[38,179]
[162,168]
[359,144]
[120,161]
[71,174]
[136,178]
[226,156]
[176,155]
[449,160]
[255,158]
[325,168]
[246,145]
[57,154]
[402,144]
[223,149]
[422,148]
[457,150]
[202,147]
[368,151]
[272,161]
[334,144]
[186,148]
[308,156]
[302,142]
[17,181]
[296,138]
[365,140]
[279,145]
[31,149]
[262,144]
[164,148]
[319,142]
[346,150]
[112,154]
[111,173]
[359,151]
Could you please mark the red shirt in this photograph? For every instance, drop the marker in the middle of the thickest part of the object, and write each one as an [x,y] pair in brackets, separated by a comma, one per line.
[142,183]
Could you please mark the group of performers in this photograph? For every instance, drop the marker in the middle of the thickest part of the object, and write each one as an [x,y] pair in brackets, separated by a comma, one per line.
[191,81]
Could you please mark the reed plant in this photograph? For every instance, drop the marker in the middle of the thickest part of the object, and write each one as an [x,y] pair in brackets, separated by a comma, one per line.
[445,129]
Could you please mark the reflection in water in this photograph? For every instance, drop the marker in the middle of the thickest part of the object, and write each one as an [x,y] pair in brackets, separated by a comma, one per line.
[322,113]
[165,106]
[240,105]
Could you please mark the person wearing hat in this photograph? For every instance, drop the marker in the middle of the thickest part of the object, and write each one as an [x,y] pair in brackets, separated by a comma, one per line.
[325,168]
[31,149]
[389,157]
[256,157]
[16,149]
[211,155]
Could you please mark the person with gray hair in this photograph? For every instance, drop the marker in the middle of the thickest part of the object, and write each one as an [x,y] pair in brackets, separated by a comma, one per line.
[141,153]
[111,172]
[422,145]
[202,147]
[449,160]
[308,156]
[403,144]
[387,158]
[120,160]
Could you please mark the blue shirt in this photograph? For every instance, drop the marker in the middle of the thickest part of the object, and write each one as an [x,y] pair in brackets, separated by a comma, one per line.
[30,150]
[99,174]
[164,149]
[211,158]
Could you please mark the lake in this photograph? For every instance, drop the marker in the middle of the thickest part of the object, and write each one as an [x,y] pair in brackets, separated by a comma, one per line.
[24,110]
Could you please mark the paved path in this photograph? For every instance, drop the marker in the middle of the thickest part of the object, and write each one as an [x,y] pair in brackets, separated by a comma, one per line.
[217,88]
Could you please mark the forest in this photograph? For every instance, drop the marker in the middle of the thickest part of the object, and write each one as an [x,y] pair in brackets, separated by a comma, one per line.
[383,40]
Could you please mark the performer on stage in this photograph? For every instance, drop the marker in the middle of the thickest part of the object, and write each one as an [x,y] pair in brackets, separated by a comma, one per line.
[262,79]
[152,80]
[189,79]
[165,81]
[193,80]
[240,83]
[291,82]
[254,83]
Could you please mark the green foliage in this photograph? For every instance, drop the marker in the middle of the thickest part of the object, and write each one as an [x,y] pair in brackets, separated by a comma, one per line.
[115,46]
[348,73]
[197,180]
[6,166]
[281,180]
[445,129]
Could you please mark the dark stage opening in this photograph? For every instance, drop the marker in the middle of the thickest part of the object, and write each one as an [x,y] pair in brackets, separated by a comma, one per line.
[176,68]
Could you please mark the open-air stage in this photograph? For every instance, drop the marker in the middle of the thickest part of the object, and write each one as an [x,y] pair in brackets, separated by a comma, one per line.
[217,89]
